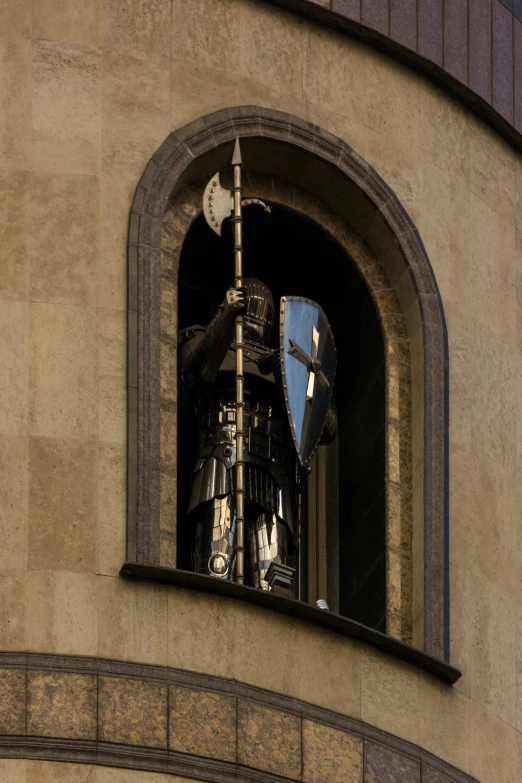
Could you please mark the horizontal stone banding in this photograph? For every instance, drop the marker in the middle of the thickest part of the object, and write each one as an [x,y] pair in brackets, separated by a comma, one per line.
[189,724]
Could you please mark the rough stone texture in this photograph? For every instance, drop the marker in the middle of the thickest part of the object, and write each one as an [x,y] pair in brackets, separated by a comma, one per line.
[66,107]
[14,339]
[269,740]
[63,372]
[403,22]
[202,723]
[14,234]
[116,193]
[331,79]
[58,772]
[455,39]
[12,771]
[338,659]
[331,756]
[261,58]
[193,619]
[13,505]
[375,14]
[389,695]
[63,476]
[135,114]
[502,59]
[480,48]
[15,19]
[112,506]
[387,765]
[208,35]
[333,746]
[112,376]
[133,712]
[138,26]
[61,705]
[15,91]
[76,20]
[430,775]
[13,609]
[61,612]
[492,170]
[132,621]
[12,701]
[184,209]
[65,227]
[256,667]
[493,747]
[102,112]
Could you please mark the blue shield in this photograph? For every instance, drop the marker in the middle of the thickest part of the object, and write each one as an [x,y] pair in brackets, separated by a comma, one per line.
[308,362]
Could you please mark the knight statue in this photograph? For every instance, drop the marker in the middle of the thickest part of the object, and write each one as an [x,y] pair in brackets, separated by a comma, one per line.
[260,416]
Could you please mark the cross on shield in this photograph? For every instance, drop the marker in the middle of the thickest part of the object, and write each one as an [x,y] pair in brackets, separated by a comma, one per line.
[308,362]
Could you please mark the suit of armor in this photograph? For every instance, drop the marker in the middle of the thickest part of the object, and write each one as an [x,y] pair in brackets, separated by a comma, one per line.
[207,363]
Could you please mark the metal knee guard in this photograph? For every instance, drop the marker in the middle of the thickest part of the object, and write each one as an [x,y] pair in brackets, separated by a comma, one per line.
[267,542]
[215,538]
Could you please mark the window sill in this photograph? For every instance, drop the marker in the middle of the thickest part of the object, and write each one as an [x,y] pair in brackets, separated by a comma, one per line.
[290,606]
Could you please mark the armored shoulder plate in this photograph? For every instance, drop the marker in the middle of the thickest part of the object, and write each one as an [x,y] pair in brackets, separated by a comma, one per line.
[188,334]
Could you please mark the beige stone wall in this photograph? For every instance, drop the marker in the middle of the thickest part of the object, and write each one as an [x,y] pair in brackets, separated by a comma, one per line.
[88,91]
[20,771]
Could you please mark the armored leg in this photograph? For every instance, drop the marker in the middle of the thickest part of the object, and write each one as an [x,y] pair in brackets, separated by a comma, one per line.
[267,541]
[215,537]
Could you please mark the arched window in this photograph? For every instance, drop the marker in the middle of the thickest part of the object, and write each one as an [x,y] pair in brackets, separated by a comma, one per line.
[377,511]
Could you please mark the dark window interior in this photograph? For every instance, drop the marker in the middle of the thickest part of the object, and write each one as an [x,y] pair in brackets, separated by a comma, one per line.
[294,256]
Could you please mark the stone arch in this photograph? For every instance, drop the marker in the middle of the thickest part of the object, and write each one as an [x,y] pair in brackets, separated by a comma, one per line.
[320,164]
[180,214]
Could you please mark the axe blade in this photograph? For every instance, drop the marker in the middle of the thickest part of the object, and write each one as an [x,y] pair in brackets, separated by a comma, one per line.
[218,204]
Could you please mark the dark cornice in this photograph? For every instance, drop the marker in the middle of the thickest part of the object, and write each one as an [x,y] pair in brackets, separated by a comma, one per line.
[476,59]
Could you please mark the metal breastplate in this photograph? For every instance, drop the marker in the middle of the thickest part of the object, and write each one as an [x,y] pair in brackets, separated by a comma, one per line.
[267,440]
[268,455]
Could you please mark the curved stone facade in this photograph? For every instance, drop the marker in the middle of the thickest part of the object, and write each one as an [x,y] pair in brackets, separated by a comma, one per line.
[89,91]
[159,719]
[473,49]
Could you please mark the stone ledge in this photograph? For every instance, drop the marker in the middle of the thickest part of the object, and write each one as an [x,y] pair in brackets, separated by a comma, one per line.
[290,606]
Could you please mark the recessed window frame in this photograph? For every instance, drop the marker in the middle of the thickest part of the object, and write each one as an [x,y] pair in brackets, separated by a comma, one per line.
[341,178]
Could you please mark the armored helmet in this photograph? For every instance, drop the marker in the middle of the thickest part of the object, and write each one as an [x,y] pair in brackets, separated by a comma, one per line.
[259,310]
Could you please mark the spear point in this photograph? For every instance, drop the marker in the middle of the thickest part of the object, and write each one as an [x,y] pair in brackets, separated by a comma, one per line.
[236,157]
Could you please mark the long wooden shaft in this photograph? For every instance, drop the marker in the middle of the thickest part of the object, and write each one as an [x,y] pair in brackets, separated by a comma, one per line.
[240,435]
